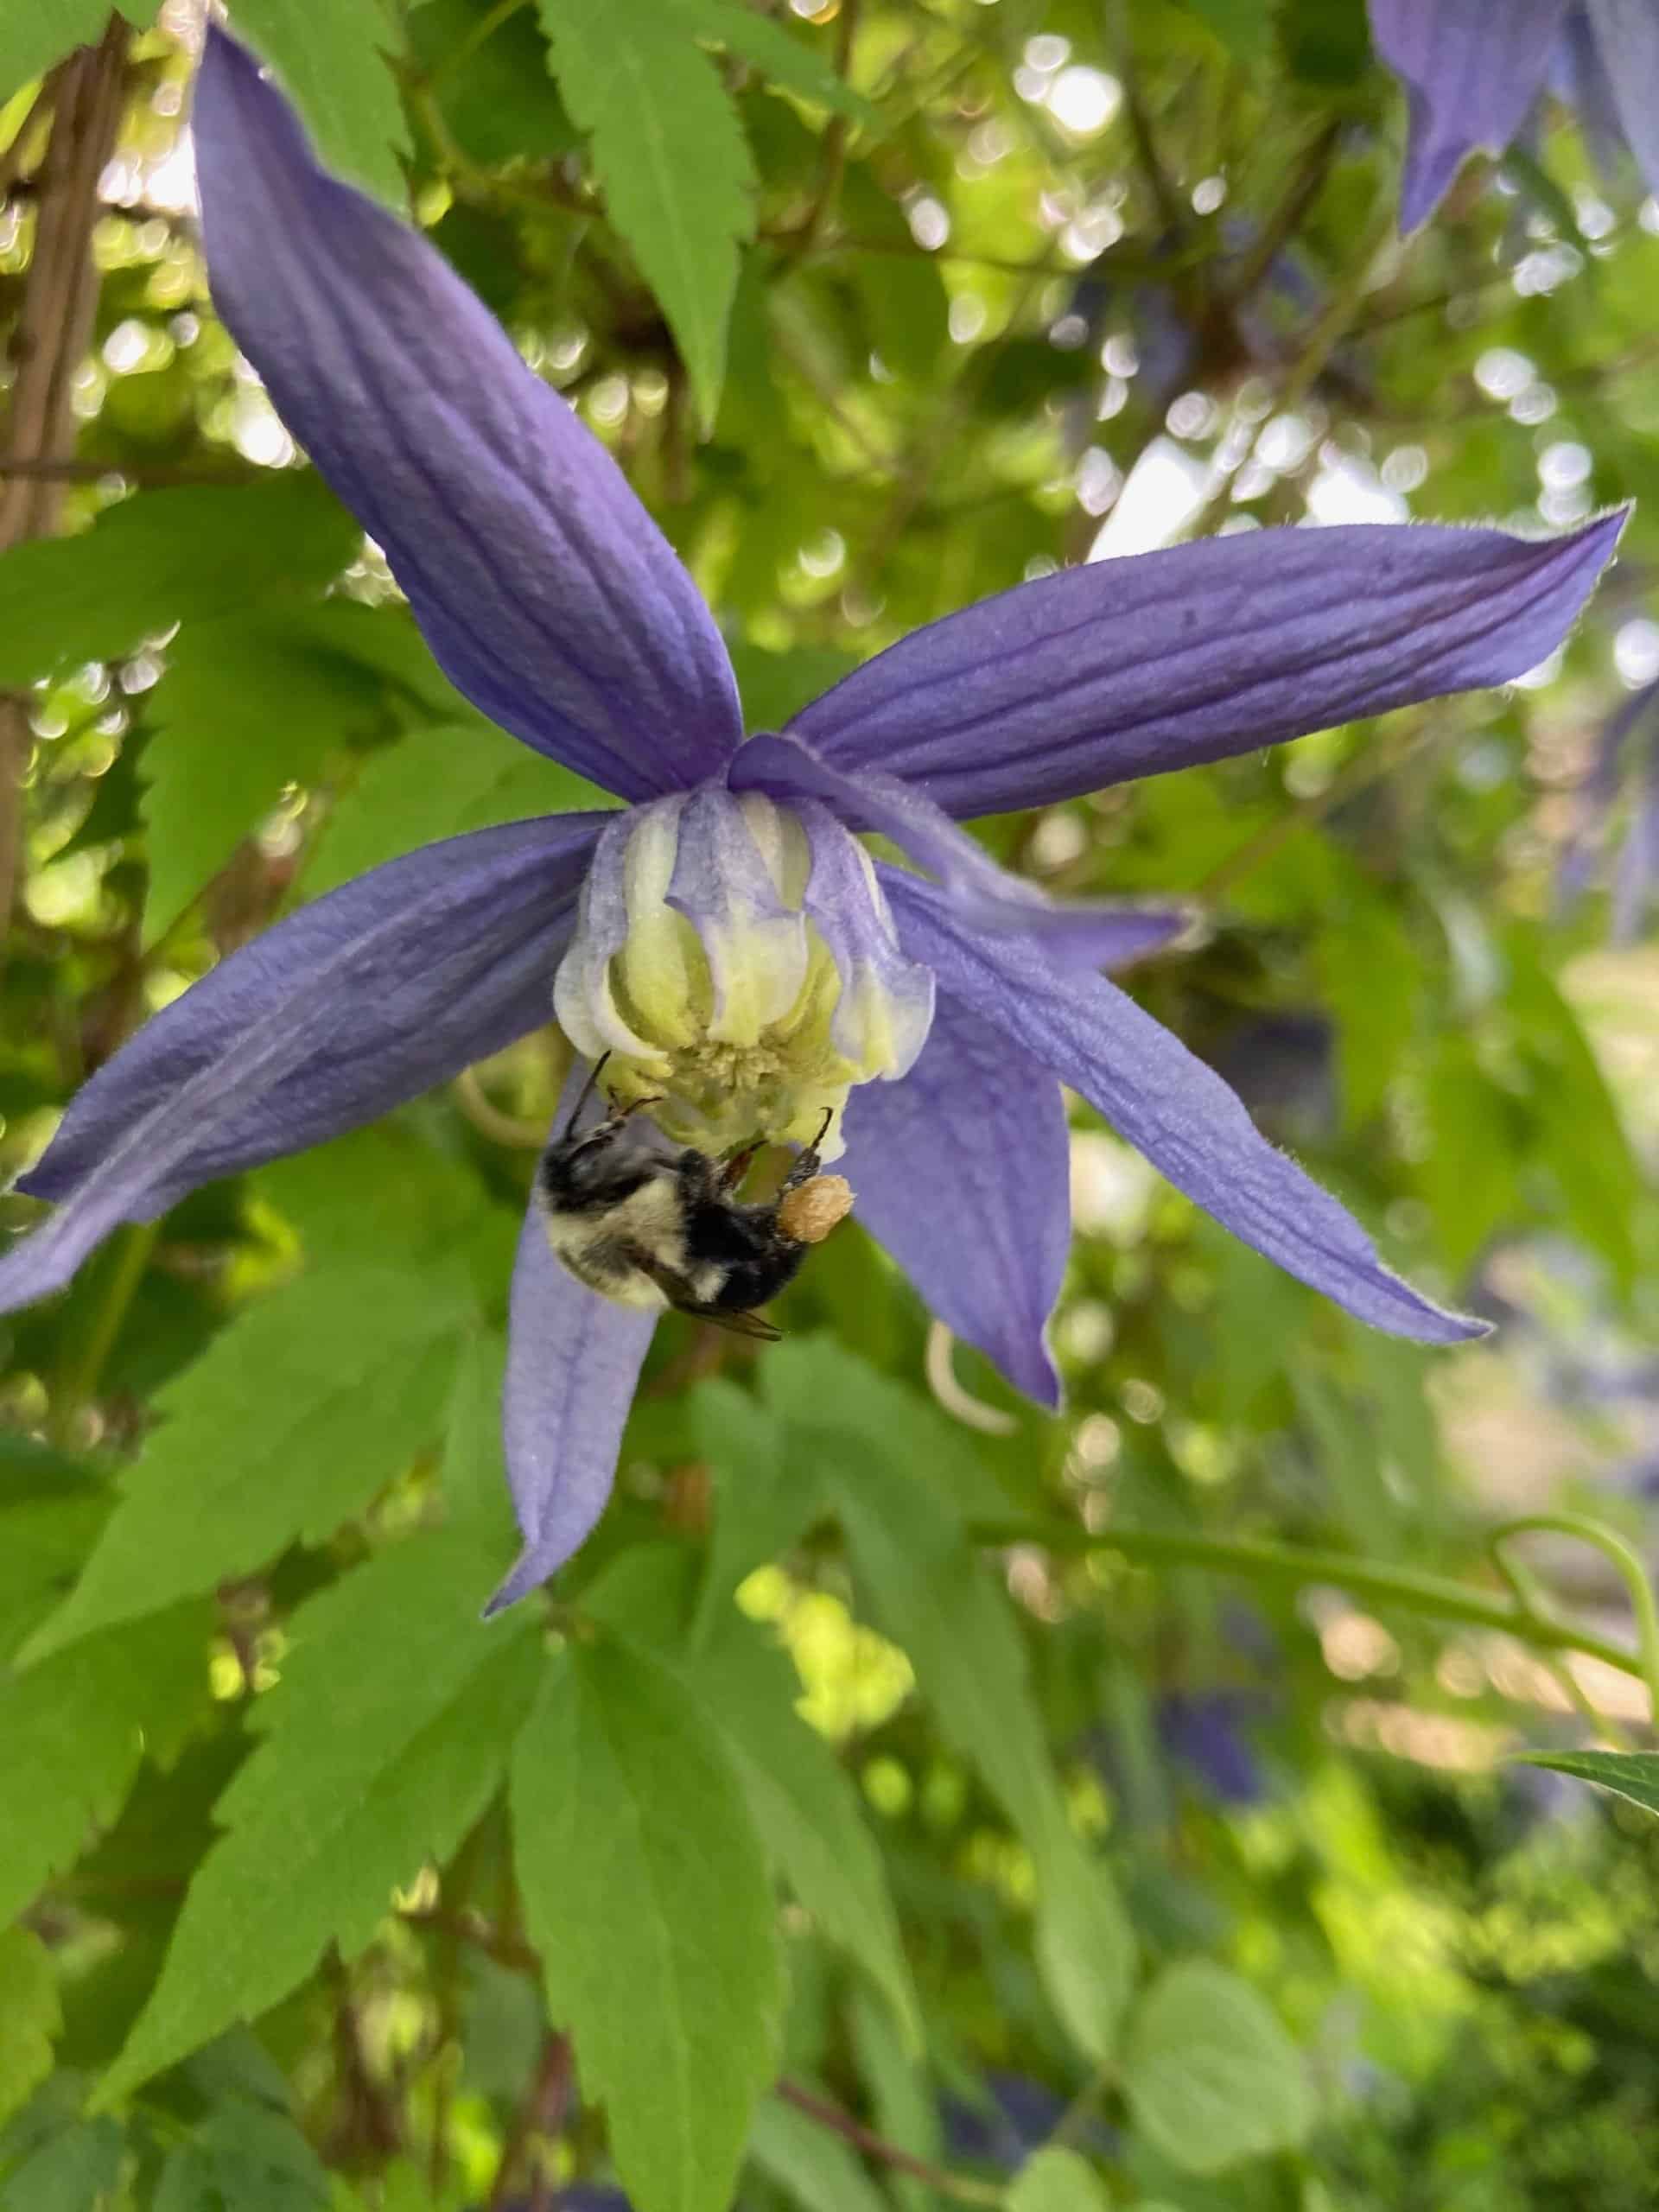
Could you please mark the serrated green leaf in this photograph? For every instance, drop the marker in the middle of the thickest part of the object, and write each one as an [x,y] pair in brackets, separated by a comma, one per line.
[42,1543]
[186,555]
[780,57]
[68,2171]
[646,1893]
[803,1806]
[29,2016]
[1634,1775]
[249,704]
[33,37]
[287,1426]
[74,1729]
[332,63]
[244,2158]
[881,1457]
[441,782]
[808,2164]
[382,1743]
[1210,2076]
[1057,2180]
[670,158]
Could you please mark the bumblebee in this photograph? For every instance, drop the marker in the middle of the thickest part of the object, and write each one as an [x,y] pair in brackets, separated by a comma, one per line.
[650,1223]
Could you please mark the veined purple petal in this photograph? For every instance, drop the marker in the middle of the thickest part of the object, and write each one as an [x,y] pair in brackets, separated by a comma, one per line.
[573,1359]
[388,985]
[1169,1106]
[542,587]
[1470,71]
[1627,43]
[961,1172]
[1090,933]
[1598,794]
[1578,77]
[1163,660]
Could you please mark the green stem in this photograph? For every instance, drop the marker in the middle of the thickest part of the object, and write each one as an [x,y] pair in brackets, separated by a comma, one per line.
[1612,1547]
[79,1380]
[1398,1586]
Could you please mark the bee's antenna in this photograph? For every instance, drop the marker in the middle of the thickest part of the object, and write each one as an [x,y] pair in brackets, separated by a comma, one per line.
[588,1090]
[824,1128]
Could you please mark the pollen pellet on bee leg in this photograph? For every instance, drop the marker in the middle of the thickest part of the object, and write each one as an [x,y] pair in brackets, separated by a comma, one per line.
[810,1210]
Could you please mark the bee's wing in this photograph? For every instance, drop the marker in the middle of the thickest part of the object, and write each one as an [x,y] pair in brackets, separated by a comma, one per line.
[677,1291]
[740,1324]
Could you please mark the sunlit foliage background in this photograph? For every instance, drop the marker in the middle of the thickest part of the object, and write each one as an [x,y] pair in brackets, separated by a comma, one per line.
[1148,1801]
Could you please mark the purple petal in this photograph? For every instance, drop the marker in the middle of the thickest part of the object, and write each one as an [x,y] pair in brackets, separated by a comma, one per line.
[1086,932]
[1627,40]
[1169,1106]
[573,1359]
[1471,69]
[961,1172]
[1199,652]
[390,985]
[546,591]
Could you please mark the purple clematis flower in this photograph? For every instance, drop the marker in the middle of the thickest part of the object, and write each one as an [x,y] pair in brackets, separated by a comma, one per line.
[1626,757]
[1472,70]
[724,935]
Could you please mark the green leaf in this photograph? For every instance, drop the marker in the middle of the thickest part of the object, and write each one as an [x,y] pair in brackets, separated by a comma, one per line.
[42,1543]
[33,37]
[244,2158]
[1210,2076]
[646,1894]
[808,2164]
[67,2170]
[440,782]
[763,1502]
[670,158]
[803,1804]
[74,1728]
[774,687]
[1245,27]
[249,704]
[1085,1947]
[1057,2180]
[781,57]
[182,555]
[1634,1775]
[332,63]
[285,1427]
[29,2016]
[385,1739]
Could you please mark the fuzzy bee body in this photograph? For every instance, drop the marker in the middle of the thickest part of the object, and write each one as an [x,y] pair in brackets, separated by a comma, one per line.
[652,1224]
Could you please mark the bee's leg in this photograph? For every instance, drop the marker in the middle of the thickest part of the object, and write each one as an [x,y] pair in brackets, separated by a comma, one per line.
[809,1163]
[737,1166]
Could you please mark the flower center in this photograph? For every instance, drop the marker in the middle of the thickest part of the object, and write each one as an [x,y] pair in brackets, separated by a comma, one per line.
[738,961]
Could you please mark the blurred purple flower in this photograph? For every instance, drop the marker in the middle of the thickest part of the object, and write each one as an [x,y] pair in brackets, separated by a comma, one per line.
[1472,70]
[1627,757]
[1206,1731]
[723,934]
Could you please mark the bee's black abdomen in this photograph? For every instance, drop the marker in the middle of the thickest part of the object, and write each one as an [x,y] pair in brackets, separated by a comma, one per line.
[745,1241]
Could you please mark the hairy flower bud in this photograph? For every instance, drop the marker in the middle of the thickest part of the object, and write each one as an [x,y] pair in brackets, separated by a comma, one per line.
[738,962]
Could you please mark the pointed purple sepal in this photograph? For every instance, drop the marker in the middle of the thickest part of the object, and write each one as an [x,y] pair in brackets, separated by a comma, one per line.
[962,1172]
[573,1359]
[1164,660]
[545,590]
[362,1000]
[1169,1106]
